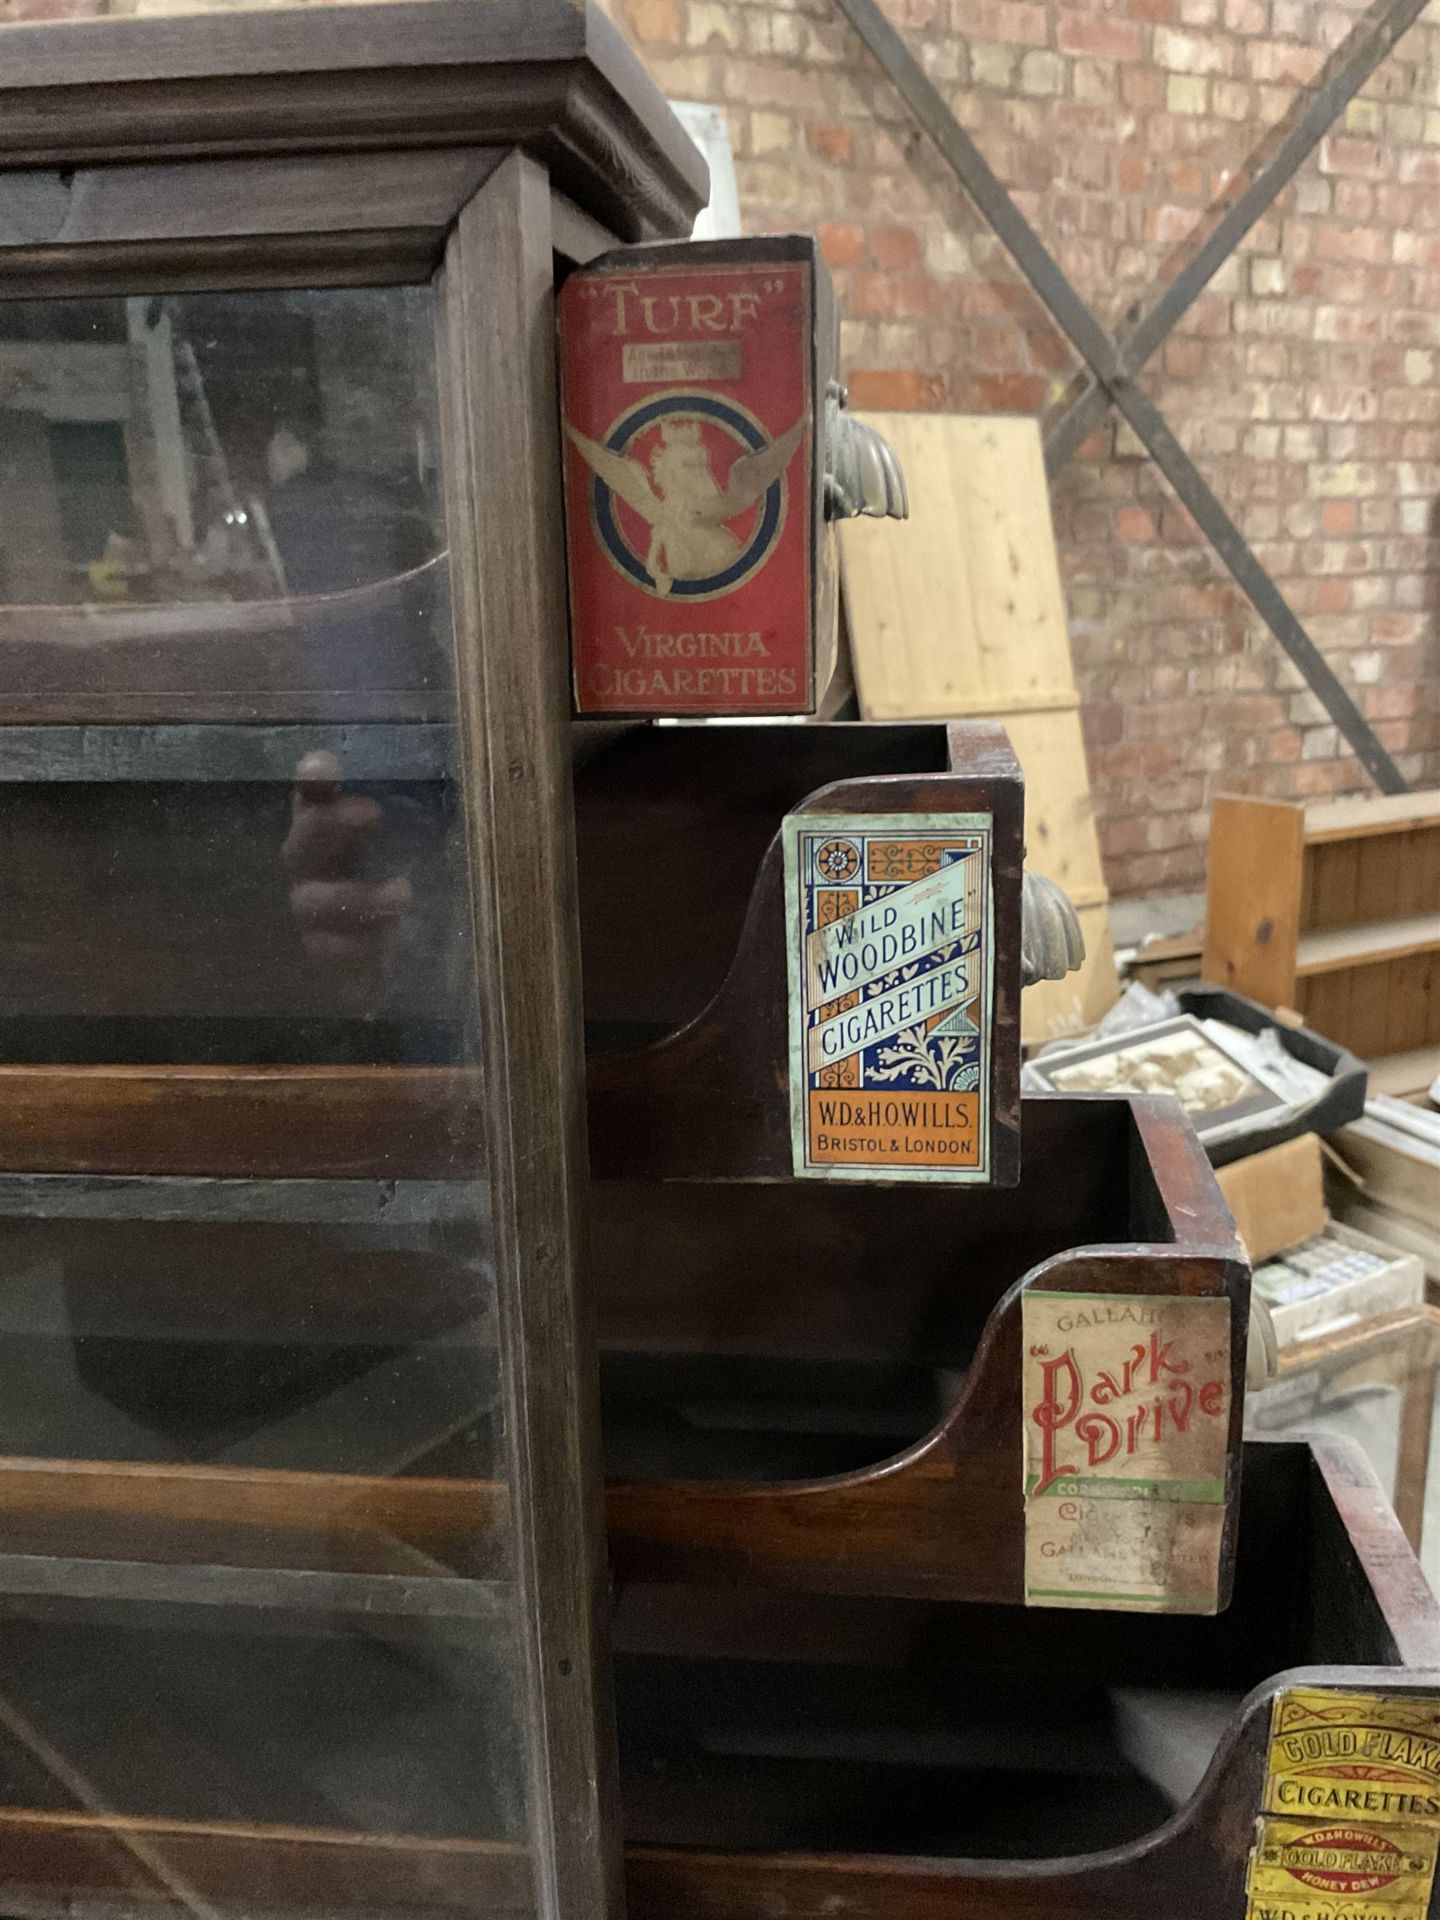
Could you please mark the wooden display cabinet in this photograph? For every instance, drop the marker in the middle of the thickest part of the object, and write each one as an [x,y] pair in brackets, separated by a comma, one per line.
[292,1144]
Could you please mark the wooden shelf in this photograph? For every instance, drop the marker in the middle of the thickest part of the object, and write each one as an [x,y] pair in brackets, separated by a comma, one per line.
[703,968]
[402,1208]
[210,1536]
[1333,911]
[351,1123]
[1365,946]
[244,754]
[1357,819]
[701,1288]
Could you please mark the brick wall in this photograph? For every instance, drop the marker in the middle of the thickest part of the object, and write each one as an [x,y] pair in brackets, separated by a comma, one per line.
[1304,382]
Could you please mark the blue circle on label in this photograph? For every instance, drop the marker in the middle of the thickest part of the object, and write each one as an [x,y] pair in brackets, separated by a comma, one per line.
[767,524]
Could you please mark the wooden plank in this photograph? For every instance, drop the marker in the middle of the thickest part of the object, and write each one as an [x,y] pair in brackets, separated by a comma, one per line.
[409,194]
[1383,863]
[384,1123]
[503,504]
[235,1517]
[1411,1009]
[251,1591]
[1252,898]
[1333,882]
[383,257]
[403,1208]
[1053,1008]
[374,219]
[1359,946]
[85,1863]
[1060,837]
[1384,814]
[959,611]
[240,754]
[1323,1002]
[179,47]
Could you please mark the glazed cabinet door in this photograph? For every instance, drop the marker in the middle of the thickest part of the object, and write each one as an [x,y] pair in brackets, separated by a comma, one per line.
[299,1545]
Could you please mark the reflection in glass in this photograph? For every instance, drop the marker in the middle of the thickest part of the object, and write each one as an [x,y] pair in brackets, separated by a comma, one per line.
[255,1539]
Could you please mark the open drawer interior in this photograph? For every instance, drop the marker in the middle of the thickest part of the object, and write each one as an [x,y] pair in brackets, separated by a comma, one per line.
[790,1724]
[672,824]
[789,1329]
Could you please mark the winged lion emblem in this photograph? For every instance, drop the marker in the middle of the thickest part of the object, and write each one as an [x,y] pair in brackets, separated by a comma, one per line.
[685,506]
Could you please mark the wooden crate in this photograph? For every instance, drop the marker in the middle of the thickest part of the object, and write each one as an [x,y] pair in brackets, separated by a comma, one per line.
[1334,911]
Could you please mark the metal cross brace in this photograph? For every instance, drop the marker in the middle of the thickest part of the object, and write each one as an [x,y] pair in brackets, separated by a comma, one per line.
[1272,166]
[1113,367]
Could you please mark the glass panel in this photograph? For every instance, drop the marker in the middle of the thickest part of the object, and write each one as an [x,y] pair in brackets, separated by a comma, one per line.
[218,509]
[255,1475]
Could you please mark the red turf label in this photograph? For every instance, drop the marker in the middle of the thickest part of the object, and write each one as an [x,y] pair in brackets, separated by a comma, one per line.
[689,441]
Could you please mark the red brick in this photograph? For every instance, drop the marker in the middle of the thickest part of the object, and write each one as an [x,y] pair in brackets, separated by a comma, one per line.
[1050,350]
[835,144]
[1014,392]
[891,392]
[842,242]
[653,20]
[895,296]
[895,247]
[1304,384]
[1103,37]
[1132,173]
[1135,524]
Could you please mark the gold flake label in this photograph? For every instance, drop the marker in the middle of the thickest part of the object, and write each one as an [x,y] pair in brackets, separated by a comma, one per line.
[1351,1818]
[1127,1423]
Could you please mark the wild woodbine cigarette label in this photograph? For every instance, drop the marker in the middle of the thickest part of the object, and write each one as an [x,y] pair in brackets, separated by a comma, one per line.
[1351,1816]
[890,971]
[1127,1418]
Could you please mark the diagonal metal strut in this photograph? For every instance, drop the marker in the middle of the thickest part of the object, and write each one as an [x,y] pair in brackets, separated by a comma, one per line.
[1272,167]
[1099,351]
